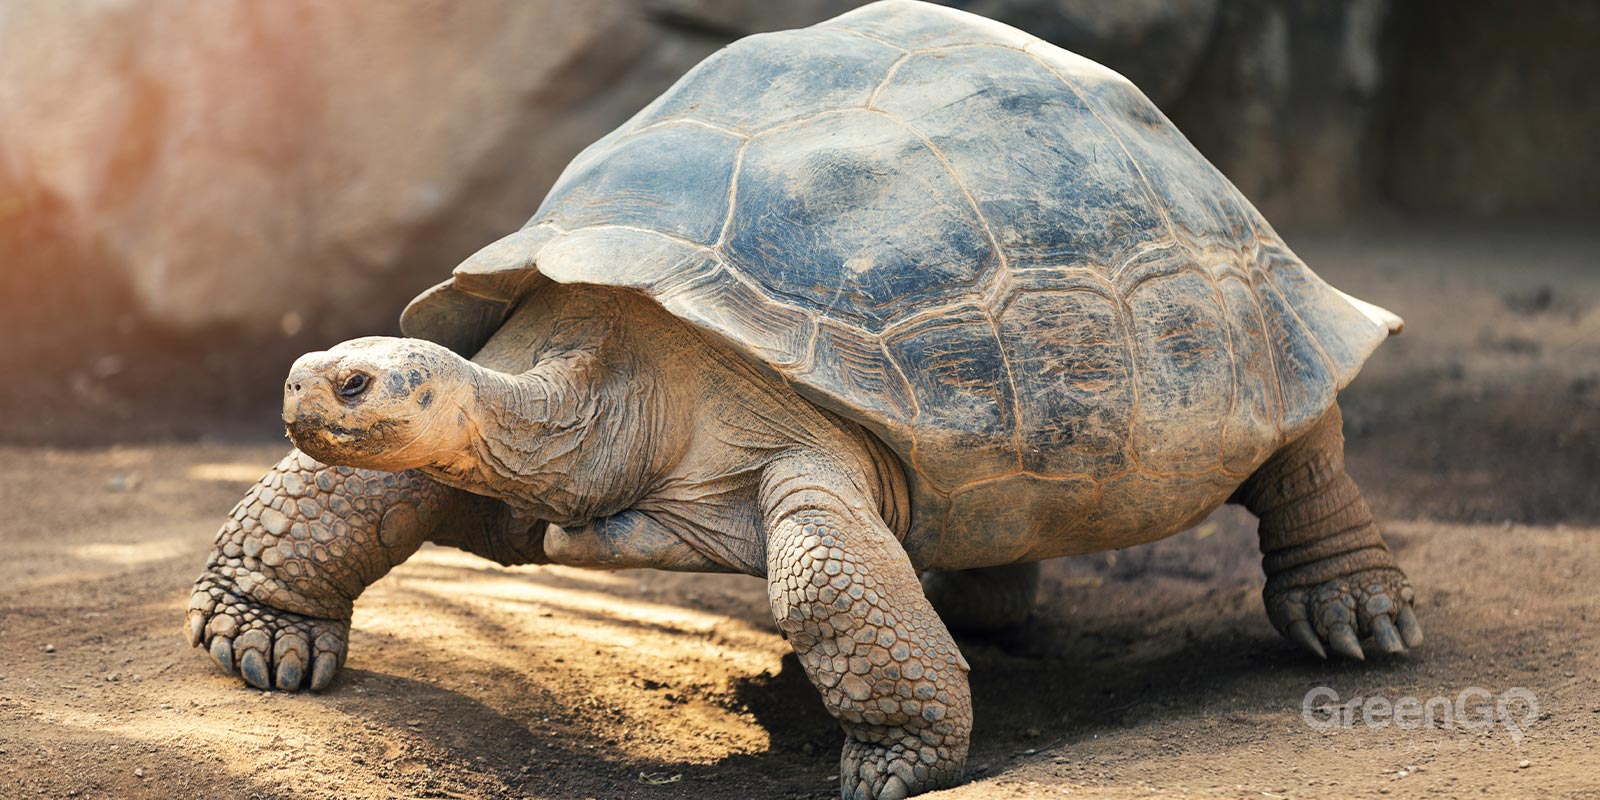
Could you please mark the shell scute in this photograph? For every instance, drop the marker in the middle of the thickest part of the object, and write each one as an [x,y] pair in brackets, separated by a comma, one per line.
[810,212]
[851,367]
[1054,188]
[1071,368]
[774,78]
[1253,427]
[673,180]
[779,334]
[1183,368]
[1190,193]
[1338,326]
[966,421]
[1307,378]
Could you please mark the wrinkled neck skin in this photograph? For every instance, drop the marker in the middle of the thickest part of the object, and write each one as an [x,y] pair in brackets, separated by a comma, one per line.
[572,439]
[591,401]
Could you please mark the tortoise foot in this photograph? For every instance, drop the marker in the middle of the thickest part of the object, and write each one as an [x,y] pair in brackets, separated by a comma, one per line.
[267,647]
[909,766]
[1337,614]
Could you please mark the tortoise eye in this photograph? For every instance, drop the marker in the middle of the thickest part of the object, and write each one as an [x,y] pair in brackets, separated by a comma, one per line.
[354,386]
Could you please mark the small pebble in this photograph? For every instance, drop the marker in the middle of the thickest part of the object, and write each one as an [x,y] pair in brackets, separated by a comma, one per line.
[138,773]
[49,648]
[1524,764]
[123,483]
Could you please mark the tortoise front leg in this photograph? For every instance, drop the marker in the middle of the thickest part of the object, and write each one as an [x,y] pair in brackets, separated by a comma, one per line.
[847,599]
[274,602]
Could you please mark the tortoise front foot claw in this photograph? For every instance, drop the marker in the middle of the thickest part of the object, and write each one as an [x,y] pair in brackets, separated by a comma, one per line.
[267,647]
[908,766]
[1336,615]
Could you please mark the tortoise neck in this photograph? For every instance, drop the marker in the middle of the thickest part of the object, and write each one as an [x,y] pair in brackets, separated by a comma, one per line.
[567,441]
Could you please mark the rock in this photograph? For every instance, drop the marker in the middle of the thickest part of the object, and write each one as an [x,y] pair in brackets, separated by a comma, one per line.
[1285,101]
[1154,43]
[1502,110]
[273,165]
[730,19]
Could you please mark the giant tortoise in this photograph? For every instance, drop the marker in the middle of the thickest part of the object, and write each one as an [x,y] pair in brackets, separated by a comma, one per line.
[909,291]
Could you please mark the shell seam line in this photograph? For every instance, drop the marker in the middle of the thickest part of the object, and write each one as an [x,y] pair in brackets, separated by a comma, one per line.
[999,267]
[1155,200]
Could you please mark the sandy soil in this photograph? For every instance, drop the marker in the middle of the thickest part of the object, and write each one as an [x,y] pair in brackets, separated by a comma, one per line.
[1147,672]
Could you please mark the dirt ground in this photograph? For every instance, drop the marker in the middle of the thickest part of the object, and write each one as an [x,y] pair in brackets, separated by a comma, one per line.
[1146,672]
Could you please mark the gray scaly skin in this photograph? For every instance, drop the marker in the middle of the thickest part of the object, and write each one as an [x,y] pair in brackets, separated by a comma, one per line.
[846,598]
[273,605]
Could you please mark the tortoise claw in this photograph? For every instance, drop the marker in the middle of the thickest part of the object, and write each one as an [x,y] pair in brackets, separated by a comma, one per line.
[253,667]
[1386,636]
[290,654]
[196,628]
[1410,629]
[1300,632]
[323,670]
[222,652]
[1342,638]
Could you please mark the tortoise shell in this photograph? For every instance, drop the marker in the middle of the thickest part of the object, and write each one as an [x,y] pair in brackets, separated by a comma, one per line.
[996,255]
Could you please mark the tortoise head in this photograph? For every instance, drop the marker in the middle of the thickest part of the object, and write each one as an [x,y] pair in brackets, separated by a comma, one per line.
[378,403]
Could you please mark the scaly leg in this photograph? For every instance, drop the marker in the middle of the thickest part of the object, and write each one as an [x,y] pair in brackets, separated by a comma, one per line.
[274,602]
[847,599]
[1330,577]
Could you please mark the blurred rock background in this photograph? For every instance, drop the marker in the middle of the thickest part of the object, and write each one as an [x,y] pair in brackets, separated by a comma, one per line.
[193,193]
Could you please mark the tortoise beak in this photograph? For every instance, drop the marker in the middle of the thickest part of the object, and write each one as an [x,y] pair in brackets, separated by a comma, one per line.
[308,402]
[307,383]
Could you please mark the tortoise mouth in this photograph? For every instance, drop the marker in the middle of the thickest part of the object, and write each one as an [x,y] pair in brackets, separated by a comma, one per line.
[334,443]
[326,443]
[306,431]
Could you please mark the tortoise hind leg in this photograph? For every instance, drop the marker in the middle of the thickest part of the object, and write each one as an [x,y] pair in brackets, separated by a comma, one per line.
[984,600]
[1330,577]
